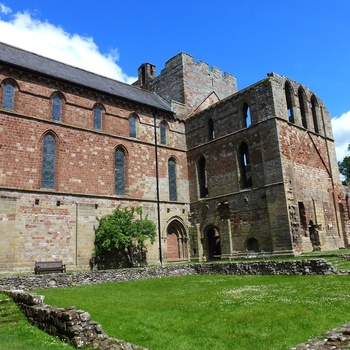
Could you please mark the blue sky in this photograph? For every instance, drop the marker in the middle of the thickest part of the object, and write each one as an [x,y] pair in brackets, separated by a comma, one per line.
[305,40]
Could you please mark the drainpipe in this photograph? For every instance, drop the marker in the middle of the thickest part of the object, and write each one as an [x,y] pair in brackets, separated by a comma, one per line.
[157,188]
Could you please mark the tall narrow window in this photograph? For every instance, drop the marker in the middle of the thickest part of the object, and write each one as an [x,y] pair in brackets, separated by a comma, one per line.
[8,97]
[172,179]
[210,126]
[246,116]
[244,164]
[288,93]
[163,133]
[56,108]
[97,117]
[133,125]
[119,160]
[314,113]
[202,178]
[302,101]
[49,162]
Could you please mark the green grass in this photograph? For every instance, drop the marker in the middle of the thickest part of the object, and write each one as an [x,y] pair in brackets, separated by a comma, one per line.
[214,312]
[20,335]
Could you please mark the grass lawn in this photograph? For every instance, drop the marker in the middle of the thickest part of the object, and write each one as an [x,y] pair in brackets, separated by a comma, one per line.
[214,312]
[21,335]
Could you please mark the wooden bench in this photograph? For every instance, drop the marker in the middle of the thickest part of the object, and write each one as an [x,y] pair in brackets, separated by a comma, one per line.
[49,266]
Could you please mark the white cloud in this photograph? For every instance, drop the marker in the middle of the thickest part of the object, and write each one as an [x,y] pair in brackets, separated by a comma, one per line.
[46,39]
[4,9]
[341,133]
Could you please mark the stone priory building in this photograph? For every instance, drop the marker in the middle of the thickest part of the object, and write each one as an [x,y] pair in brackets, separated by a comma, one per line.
[223,173]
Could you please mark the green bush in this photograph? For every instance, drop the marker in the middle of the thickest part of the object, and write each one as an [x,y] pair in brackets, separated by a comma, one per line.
[121,238]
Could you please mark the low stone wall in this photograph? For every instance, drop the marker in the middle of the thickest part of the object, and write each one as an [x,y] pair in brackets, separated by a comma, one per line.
[70,325]
[76,327]
[289,267]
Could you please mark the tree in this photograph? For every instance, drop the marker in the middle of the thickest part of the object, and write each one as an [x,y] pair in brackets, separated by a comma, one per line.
[123,234]
[344,167]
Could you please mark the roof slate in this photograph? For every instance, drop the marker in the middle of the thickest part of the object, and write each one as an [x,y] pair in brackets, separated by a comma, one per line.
[31,61]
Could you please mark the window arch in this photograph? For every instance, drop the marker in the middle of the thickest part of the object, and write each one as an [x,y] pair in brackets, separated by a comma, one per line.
[8,96]
[133,119]
[210,129]
[288,90]
[172,179]
[119,171]
[246,115]
[302,104]
[56,106]
[98,117]
[163,133]
[202,177]
[48,162]
[314,106]
[244,165]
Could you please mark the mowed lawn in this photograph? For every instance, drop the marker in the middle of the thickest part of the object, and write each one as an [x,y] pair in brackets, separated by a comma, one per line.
[214,312]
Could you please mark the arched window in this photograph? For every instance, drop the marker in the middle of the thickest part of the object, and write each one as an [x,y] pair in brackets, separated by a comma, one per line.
[172,179]
[302,101]
[56,107]
[97,117]
[133,125]
[202,177]
[246,116]
[288,93]
[314,106]
[244,164]
[49,162]
[210,127]
[8,97]
[119,162]
[162,133]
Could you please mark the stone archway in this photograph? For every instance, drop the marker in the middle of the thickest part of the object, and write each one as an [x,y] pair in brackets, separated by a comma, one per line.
[212,243]
[177,242]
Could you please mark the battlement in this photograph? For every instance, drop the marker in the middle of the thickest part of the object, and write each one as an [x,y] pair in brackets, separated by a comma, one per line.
[188,62]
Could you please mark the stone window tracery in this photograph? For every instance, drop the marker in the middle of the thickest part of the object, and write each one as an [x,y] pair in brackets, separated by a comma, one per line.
[8,97]
[133,126]
[163,133]
[48,162]
[56,108]
[172,179]
[97,117]
[119,161]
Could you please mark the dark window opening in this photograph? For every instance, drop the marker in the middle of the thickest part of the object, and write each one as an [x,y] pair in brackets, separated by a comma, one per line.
[302,107]
[210,125]
[302,217]
[245,167]
[288,94]
[202,178]
[314,113]
[253,245]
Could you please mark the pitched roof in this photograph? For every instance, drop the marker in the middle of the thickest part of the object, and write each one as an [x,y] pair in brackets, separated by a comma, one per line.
[31,61]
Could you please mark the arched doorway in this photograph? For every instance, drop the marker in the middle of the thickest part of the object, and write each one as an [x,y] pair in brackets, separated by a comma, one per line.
[213,243]
[177,242]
